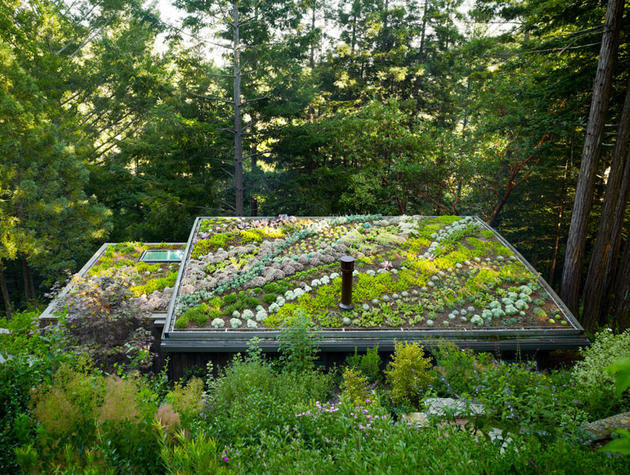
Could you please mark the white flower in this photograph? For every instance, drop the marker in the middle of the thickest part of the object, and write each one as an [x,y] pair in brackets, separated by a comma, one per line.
[280,301]
[289,295]
[273,308]
[298,292]
[236,314]
[365,306]
[252,324]
[315,282]
[235,322]
[261,315]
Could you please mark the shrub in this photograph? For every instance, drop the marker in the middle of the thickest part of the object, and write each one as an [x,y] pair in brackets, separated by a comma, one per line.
[459,367]
[104,323]
[595,387]
[67,408]
[187,400]
[369,363]
[199,314]
[81,412]
[355,386]
[269,298]
[409,373]
[298,345]
[181,322]
[250,397]
[194,455]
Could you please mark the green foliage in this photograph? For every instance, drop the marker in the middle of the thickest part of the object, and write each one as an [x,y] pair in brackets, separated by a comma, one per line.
[250,398]
[459,367]
[187,400]
[155,284]
[298,345]
[409,373]
[620,370]
[197,454]
[199,314]
[595,387]
[355,387]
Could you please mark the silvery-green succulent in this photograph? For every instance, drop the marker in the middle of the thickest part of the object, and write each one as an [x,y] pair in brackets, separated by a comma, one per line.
[247,314]
[235,322]
[218,323]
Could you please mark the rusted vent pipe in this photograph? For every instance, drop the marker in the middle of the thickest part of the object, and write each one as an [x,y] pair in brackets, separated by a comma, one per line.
[347,268]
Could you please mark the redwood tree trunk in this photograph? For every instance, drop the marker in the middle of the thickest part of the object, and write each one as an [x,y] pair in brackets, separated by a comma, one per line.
[576,242]
[560,215]
[622,301]
[26,279]
[238,128]
[596,277]
[4,290]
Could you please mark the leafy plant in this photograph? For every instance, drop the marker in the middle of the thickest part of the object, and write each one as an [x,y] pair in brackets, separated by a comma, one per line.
[369,363]
[355,386]
[409,373]
[298,345]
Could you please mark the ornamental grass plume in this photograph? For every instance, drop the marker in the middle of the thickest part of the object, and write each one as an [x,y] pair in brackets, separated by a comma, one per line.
[169,419]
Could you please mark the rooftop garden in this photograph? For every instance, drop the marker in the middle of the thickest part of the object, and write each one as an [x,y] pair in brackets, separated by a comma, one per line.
[411,272]
[119,270]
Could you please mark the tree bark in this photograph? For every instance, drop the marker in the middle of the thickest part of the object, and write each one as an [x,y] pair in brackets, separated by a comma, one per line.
[424,28]
[576,242]
[4,290]
[27,280]
[238,128]
[596,277]
[622,301]
[612,264]
[556,246]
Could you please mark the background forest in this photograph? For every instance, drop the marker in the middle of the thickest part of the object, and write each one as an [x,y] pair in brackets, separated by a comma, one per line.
[119,122]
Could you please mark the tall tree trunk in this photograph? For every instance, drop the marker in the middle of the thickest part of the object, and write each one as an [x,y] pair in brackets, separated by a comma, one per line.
[27,280]
[612,264]
[576,242]
[311,62]
[424,29]
[622,301]
[4,290]
[238,127]
[595,283]
[556,246]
